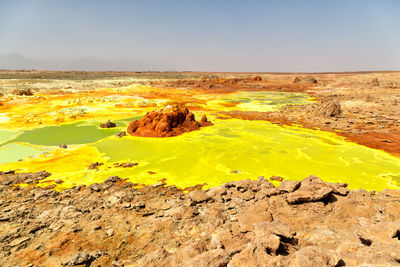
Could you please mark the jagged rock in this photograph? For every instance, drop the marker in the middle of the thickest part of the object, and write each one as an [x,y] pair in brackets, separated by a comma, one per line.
[266,240]
[289,186]
[250,256]
[27,92]
[108,124]
[199,196]
[112,179]
[80,259]
[11,177]
[312,256]
[275,227]
[216,193]
[204,121]
[339,188]
[329,108]
[171,121]
[253,214]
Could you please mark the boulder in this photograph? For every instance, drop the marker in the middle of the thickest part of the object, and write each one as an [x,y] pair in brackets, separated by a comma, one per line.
[311,189]
[289,186]
[329,108]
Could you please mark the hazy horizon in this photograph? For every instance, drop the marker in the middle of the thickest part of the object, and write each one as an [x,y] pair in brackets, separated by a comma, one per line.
[250,36]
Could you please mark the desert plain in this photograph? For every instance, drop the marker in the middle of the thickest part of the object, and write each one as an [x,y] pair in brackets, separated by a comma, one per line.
[199,169]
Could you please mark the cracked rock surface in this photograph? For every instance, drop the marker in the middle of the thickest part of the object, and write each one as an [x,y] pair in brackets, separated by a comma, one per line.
[241,223]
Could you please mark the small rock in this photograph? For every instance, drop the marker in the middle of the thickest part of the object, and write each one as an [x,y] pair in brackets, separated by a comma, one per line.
[112,179]
[275,227]
[139,205]
[21,92]
[198,196]
[126,164]
[276,178]
[95,187]
[19,241]
[121,134]
[110,232]
[80,259]
[95,165]
[289,186]
[108,124]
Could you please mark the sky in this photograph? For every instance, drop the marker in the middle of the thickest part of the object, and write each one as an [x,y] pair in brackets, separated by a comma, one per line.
[196,35]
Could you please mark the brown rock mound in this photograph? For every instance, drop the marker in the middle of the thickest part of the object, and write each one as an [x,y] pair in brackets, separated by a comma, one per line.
[171,121]
[375,82]
[305,80]
[22,92]
[329,108]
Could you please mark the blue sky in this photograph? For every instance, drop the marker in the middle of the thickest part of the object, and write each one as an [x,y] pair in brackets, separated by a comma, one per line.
[297,35]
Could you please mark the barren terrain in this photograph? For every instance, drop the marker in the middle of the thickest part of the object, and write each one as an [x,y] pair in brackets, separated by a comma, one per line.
[240,223]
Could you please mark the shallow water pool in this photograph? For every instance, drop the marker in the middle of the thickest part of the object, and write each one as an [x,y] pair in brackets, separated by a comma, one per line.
[232,149]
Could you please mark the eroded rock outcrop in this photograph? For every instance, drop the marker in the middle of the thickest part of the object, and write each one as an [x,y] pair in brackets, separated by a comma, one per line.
[171,121]
[305,80]
[329,107]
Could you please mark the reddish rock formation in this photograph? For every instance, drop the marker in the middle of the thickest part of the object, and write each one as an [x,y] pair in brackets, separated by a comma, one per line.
[171,121]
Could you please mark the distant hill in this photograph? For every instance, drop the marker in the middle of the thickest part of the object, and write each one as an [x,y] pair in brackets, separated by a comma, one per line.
[14,61]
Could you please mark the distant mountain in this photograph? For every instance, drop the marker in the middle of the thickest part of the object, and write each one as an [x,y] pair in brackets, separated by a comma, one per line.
[15,61]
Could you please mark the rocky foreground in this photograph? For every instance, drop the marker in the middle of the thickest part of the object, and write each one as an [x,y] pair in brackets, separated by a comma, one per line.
[243,223]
